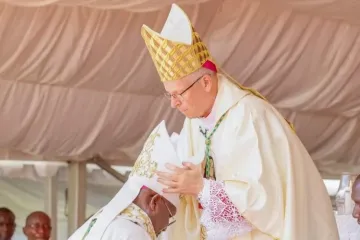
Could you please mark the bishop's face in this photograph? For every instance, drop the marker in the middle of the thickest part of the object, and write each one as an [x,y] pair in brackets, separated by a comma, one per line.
[190,95]
[355,195]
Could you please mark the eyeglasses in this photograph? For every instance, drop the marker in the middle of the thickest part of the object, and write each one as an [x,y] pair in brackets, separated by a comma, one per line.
[178,96]
[172,219]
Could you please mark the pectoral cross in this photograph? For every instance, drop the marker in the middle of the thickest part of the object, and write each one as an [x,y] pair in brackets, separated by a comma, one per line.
[208,163]
[203,131]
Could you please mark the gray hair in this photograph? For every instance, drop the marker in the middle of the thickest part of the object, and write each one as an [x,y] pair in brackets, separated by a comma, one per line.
[203,71]
[200,72]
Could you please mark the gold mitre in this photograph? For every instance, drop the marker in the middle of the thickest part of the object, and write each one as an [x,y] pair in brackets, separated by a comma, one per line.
[178,50]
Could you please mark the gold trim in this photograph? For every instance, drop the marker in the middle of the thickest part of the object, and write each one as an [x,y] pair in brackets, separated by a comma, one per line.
[137,215]
[145,166]
[174,60]
[252,91]
[203,232]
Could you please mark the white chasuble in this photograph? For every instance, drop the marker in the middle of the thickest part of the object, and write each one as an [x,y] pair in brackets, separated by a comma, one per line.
[265,171]
[131,224]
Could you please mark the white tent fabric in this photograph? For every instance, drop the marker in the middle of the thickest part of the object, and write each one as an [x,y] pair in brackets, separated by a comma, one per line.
[346,10]
[76,80]
[41,169]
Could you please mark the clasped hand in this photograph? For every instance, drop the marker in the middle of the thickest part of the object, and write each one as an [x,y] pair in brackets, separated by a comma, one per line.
[183,180]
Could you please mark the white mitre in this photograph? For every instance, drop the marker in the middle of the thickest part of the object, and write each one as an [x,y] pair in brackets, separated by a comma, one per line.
[157,151]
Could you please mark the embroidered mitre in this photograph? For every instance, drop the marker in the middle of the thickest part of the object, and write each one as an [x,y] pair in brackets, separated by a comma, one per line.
[178,50]
[158,150]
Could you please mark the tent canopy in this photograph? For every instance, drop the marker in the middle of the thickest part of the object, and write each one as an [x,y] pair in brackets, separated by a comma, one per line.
[76,79]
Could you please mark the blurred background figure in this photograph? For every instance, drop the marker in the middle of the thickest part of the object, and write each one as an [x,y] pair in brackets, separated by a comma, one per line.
[355,195]
[7,223]
[37,226]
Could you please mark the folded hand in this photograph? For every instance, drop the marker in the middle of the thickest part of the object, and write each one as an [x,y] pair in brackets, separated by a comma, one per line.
[183,180]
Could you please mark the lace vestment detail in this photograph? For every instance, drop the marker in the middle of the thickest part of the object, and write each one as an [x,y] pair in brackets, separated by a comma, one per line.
[220,216]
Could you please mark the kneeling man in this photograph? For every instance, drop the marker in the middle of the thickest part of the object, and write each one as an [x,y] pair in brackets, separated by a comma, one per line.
[140,210]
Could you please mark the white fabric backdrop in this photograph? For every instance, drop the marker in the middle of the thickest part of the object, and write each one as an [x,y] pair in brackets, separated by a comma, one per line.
[346,10]
[41,169]
[77,81]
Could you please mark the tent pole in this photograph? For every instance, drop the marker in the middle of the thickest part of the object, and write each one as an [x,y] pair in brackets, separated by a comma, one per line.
[107,168]
[77,195]
[51,201]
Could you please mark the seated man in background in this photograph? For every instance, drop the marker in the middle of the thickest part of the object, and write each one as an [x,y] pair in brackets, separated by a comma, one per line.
[140,210]
[37,226]
[7,223]
[355,195]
